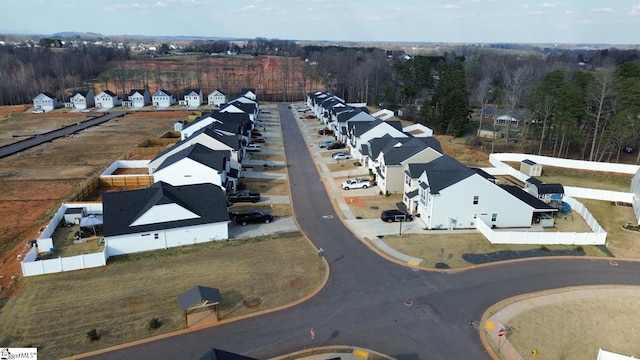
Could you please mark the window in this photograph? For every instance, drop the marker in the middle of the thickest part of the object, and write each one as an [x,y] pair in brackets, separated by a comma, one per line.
[407,180]
[156,236]
[475,200]
[475,216]
[494,216]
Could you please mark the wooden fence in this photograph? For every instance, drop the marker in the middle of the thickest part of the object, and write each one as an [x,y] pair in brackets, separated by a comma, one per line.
[126,180]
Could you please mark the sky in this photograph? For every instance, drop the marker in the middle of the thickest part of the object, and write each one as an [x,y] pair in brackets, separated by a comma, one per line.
[452,21]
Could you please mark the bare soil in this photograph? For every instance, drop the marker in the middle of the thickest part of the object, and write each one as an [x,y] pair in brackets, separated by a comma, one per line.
[35,181]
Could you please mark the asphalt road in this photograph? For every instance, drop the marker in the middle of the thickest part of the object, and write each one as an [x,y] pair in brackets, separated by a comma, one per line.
[52,135]
[363,303]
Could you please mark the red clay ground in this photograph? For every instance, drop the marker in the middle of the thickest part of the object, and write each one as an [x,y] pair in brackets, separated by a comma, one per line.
[35,182]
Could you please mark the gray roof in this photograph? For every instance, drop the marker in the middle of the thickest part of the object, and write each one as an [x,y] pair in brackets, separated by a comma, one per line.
[444,172]
[415,170]
[484,174]
[215,159]
[163,92]
[529,162]
[527,198]
[122,208]
[395,155]
[232,141]
[133,91]
[110,93]
[411,194]
[198,295]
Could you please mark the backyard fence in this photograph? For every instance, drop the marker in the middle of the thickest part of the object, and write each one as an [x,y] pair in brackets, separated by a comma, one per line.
[126,180]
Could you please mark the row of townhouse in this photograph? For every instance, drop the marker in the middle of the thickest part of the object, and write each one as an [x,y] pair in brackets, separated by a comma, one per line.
[442,192]
[187,203]
[136,98]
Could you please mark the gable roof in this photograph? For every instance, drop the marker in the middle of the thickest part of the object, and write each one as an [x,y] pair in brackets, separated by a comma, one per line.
[139,91]
[199,295]
[217,92]
[46,94]
[414,170]
[394,155]
[81,93]
[189,91]
[163,92]
[546,188]
[444,172]
[215,159]
[108,92]
[162,206]
[529,162]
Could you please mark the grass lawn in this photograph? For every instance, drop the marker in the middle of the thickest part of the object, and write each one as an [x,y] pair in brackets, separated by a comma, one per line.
[576,328]
[54,312]
[583,178]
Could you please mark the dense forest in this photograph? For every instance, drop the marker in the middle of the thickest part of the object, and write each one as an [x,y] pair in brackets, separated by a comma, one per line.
[568,101]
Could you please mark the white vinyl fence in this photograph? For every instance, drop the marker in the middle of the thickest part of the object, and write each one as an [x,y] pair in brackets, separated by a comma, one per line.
[31,266]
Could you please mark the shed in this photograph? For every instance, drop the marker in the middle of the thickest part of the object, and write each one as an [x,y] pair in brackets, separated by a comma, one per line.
[73,215]
[530,168]
[198,298]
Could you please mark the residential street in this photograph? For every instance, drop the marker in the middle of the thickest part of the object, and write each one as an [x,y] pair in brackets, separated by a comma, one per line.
[370,302]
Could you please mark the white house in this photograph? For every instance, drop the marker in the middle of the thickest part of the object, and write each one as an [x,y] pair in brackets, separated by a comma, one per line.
[216,98]
[453,196]
[82,99]
[194,165]
[192,98]
[248,93]
[163,216]
[212,138]
[359,133]
[635,190]
[163,99]
[45,102]
[388,163]
[106,99]
[137,98]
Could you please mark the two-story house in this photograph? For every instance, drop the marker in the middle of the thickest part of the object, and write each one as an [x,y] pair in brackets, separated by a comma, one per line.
[163,99]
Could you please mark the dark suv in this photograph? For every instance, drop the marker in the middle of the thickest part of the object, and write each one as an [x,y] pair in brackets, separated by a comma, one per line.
[395,215]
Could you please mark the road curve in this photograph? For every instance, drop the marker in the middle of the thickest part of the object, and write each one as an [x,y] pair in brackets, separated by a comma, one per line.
[372,303]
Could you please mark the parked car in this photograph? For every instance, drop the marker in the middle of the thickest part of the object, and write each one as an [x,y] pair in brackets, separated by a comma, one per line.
[356,183]
[341,157]
[255,134]
[325,144]
[253,147]
[254,216]
[311,117]
[395,215]
[339,153]
[628,150]
[244,196]
[335,145]
[258,140]
[325,131]
[265,111]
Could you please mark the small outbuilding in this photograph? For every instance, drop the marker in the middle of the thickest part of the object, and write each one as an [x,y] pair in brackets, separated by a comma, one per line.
[217,354]
[198,298]
[530,168]
[72,215]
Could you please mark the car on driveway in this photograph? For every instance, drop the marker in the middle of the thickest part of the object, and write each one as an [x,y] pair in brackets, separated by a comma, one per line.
[252,147]
[335,145]
[325,131]
[259,140]
[339,157]
[395,215]
[325,144]
[356,183]
[254,216]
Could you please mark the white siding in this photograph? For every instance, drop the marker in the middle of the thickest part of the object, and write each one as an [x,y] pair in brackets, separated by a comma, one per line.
[163,239]
[454,207]
[187,171]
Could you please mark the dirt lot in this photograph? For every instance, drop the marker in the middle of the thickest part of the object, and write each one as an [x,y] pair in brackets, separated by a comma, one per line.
[35,181]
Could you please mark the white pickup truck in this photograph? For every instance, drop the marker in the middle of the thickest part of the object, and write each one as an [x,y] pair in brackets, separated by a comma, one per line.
[356,183]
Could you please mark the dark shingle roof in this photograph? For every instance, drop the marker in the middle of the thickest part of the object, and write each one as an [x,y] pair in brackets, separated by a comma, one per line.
[122,208]
[83,93]
[199,295]
[110,93]
[527,198]
[188,91]
[133,91]
[215,159]
[411,194]
[163,92]
[484,174]
[415,170]
[528,162]
[444,172]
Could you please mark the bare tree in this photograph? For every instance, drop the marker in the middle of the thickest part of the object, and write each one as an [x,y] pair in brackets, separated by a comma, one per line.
[482,95]
[517,83]
[599,106]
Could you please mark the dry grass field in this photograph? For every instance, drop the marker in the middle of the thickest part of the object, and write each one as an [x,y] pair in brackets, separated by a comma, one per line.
[35,181]
[119,302]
